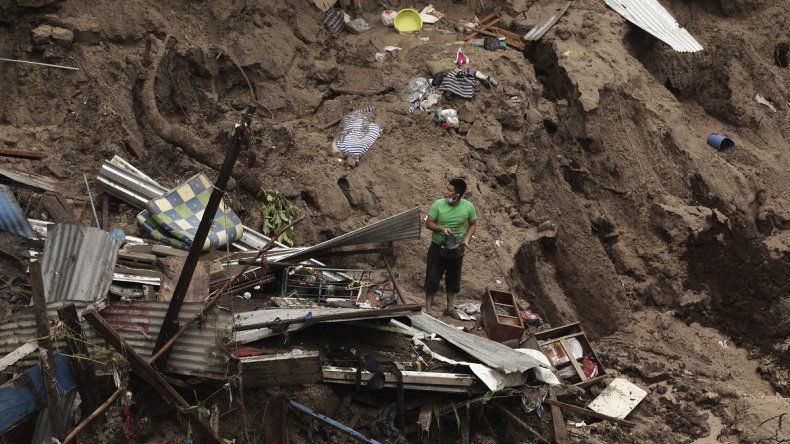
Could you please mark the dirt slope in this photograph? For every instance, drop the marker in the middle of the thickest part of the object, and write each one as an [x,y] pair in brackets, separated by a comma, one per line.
[597,131]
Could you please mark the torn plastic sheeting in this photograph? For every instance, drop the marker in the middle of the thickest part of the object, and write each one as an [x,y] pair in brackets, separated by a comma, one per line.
[495,380]
[12,218]
[498,356]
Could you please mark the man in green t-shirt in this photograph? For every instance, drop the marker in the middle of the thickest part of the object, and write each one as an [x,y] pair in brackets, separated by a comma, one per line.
[450,216]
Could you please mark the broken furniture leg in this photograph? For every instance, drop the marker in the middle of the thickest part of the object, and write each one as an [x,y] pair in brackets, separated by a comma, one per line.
[148,373]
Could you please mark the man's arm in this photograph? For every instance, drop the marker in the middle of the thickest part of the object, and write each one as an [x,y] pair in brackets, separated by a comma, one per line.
[431,224]
[470,231]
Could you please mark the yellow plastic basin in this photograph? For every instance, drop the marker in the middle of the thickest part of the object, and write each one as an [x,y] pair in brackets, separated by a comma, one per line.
[408,20]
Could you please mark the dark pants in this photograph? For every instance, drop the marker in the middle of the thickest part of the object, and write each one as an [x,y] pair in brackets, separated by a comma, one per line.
[437,266]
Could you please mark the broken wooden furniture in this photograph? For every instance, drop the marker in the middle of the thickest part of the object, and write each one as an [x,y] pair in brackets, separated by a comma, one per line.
[501,318]
[486,27]
[562,345]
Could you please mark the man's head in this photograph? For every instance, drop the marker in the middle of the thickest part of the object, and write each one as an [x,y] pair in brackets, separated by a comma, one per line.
[454,190]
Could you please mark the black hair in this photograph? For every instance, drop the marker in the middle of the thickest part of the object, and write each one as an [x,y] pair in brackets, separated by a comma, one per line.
[459,185]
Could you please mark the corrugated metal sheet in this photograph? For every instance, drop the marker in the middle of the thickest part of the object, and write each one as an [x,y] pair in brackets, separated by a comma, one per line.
[120,179]
[78,263]
[12,218]
[402,226]
[537,32]
[24,180]
[653,18]
[199,352]
[493,354]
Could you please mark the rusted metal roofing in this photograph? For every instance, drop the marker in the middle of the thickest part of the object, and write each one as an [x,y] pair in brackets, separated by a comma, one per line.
[653,18]
[402,226]
[198,352]
[78,263]
[537,32]
[493,354]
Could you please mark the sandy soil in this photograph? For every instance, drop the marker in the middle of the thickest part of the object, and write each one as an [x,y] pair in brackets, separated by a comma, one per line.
[599,199]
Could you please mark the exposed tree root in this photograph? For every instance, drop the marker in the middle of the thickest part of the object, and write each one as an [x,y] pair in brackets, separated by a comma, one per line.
[193,146]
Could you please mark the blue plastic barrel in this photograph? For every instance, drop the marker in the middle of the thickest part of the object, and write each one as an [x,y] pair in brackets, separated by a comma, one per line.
[720,142]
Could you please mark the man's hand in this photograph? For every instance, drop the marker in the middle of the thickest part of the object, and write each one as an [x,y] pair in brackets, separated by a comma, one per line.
[466,242]
[446,231]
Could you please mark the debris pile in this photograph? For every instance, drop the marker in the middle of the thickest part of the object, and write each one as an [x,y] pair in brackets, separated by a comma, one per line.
[192,288]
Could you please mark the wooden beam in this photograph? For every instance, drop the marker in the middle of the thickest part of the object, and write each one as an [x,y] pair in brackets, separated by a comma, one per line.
[560,431]
[20,352]
[587,412]
[86,421]
[22,154]
[170,325]
[392,279]
[357,315]
[51,387]
[84,370]
[290,368]
[149,374]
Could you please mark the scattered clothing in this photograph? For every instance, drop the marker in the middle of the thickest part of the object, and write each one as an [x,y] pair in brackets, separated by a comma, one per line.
[334,20]
[456,82]
[174,218]
[359,133]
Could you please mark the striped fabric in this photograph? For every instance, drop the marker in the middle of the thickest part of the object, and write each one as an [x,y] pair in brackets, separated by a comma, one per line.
[174,218]
[359,133]
[334,20]
[458,82]
[12,218]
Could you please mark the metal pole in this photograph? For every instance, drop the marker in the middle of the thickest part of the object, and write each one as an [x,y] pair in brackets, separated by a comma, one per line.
[340,426]
[39,64]
[170,324]
[90,198]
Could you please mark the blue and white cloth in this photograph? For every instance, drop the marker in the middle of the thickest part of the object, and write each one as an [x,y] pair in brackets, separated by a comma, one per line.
[358,133]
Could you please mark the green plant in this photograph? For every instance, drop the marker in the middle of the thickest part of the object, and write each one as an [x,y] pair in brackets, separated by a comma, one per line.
[278,212]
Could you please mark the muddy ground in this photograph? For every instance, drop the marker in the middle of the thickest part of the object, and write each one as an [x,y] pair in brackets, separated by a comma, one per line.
[599,200]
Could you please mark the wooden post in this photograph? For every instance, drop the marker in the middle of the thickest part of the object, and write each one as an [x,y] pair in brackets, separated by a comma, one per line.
[99,410]
[392,278]
[83,369]
[170,324]
[560,431]
[50,382]
[523,424]
[148,373]
[105,211]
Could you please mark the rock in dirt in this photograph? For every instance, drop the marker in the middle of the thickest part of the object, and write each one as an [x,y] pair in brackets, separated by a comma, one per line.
[680,221]
[485,134]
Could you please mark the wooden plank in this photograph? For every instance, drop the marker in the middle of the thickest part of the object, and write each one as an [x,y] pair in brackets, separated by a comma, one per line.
[139,260]
[47,363]
[171,271]
[22,154]
[84,370]
[573,358]
[105,211]
[21,351]
[289,368]
[151,376]
[586,412]
[164,250]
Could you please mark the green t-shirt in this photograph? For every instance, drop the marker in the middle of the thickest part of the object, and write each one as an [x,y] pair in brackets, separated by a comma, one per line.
[456,218]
